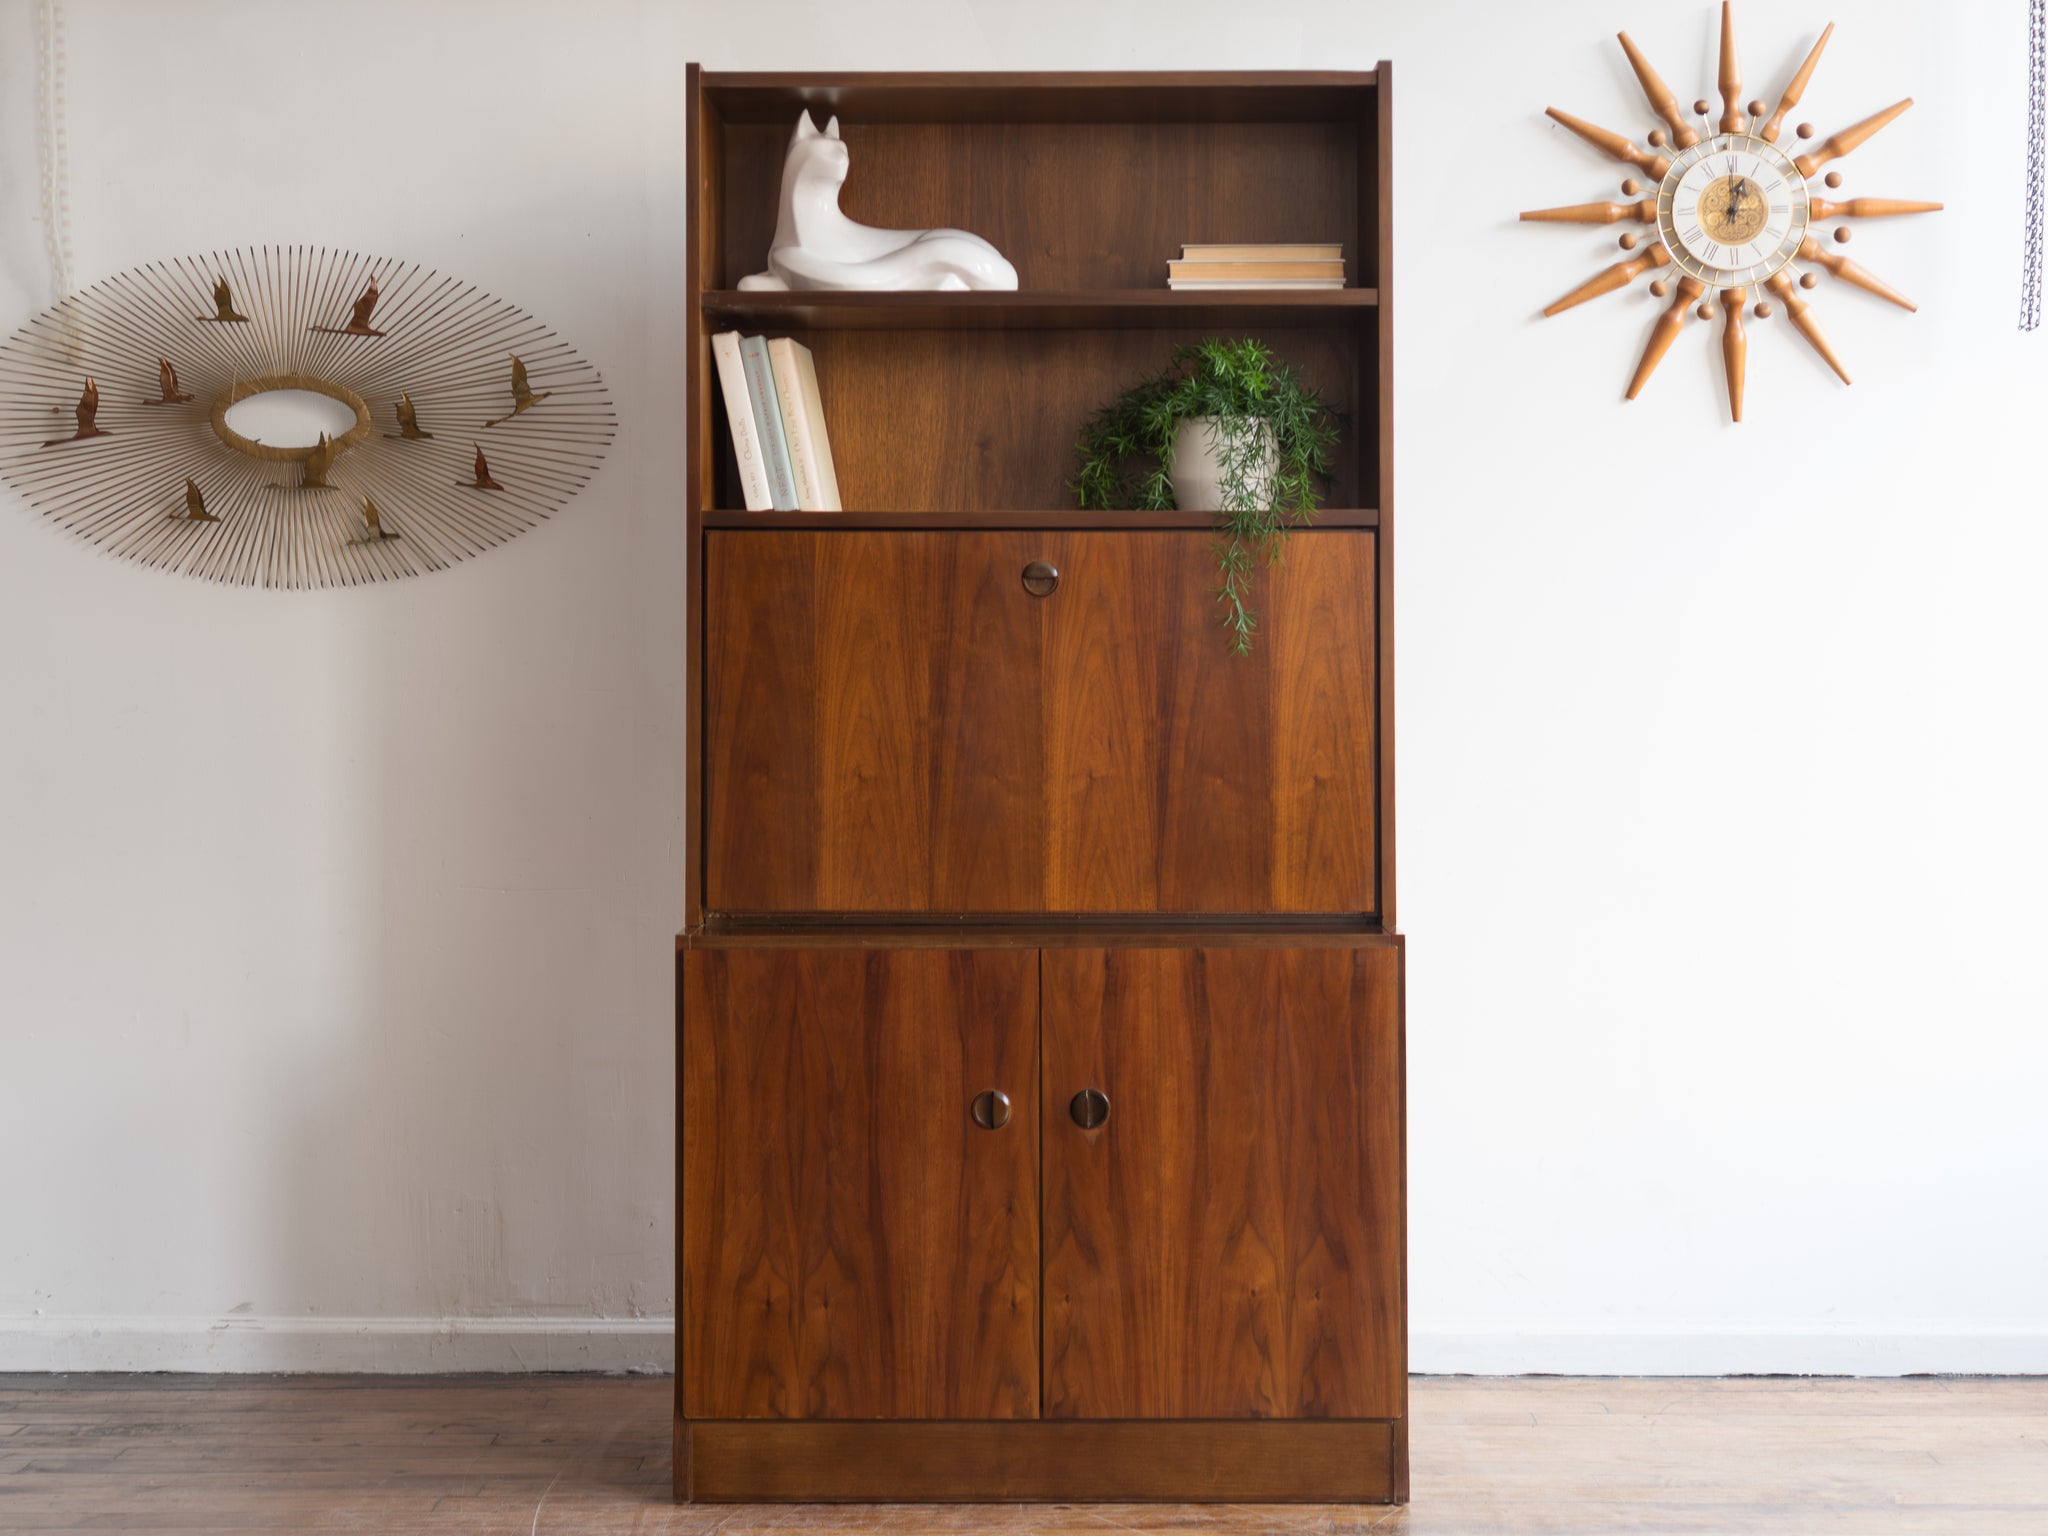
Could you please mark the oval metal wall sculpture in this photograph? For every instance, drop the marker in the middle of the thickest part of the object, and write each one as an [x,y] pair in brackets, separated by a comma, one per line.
[472,421]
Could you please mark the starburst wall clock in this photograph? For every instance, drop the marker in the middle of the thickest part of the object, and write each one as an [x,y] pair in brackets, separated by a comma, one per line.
[1730,213]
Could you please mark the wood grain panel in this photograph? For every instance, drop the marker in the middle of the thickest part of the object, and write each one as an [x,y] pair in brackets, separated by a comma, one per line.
[854,1246]
[760,749]
[1227,1243]
[1072,205]
[1103,718]
[1319,646]
[872,708]
[1299,1462]
[988,744]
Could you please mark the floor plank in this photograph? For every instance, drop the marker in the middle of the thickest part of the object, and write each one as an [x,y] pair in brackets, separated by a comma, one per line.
[488,1455]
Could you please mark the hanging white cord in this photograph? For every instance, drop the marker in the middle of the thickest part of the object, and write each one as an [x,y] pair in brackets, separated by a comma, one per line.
[56,153]
[2037,130]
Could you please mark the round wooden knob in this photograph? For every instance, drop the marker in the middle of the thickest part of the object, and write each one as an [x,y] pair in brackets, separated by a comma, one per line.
[1630,187]
[1809,279]
[1804,130]
[1659,288]
[1763,309]
[1657,139]
[1628,242]
[1702,106]
[992,1109]
[1705,311]
[1757,109]
[1089,1108]
[1040,577]
[1841,234]
[1833,178]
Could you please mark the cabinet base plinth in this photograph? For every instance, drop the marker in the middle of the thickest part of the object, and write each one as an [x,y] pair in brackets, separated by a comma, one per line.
[1257,1461]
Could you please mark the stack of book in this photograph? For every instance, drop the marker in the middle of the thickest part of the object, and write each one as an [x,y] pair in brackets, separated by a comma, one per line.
[1257,266]
[778,423]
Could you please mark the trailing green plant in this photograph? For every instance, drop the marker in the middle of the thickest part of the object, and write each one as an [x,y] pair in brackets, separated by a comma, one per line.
[1267,421]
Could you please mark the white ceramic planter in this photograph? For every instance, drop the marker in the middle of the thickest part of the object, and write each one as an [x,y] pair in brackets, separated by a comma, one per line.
[1197,476]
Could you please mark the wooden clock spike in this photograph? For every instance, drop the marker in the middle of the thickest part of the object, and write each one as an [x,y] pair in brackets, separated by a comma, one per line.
[1666,330]
[1653,166]
[1734,346]
[1868,208]
[1801,315]
[1662,102]
[1850,272]
[1840,144]
[1796,89]
[1732,120]
[1620,275]
[1644,212]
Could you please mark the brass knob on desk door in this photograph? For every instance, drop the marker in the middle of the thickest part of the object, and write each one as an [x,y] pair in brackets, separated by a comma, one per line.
[992,1109]
[1040,577]
[1089,1108]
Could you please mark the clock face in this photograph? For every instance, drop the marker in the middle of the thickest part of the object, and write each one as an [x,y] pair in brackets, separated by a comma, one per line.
[1732,210]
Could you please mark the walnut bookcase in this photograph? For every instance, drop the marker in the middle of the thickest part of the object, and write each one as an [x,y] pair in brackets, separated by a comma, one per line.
[966,860]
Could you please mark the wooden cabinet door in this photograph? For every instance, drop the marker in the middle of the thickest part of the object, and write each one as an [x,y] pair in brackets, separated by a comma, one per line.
[873,740]
[854,1244]
[893,724]
[1227,1243]
[1182,778]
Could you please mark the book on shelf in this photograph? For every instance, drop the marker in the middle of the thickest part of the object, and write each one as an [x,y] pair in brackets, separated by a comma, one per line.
[1268,269]
[778,423]
[1270,284]
[803,423]
[739,415]
[768,422]
[1331,252]
[1257,266]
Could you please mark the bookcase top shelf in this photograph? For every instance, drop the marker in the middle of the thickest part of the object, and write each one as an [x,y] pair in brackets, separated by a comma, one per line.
[1080,97]
[1001,521]
[1073,309]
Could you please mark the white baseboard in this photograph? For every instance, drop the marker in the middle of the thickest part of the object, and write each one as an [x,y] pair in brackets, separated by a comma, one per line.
[392,1345]
[1788,1351]
[419,1345]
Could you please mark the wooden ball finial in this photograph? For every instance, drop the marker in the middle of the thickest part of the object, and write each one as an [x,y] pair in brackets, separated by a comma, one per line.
[1705,311]
[1628,242]
[1842,234]
[1833,178]
[1658,138]
[1804,130]
[1758,108]
[1659,288]
[1631,187]
[1702,106]
[1809,280]
[1763,309]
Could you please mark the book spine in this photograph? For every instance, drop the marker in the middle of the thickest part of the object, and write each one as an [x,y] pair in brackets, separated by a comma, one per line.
[739,415]
[768,423]
[814,409]
[796,425]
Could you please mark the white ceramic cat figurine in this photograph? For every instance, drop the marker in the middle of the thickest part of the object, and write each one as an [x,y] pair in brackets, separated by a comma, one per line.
[817,246]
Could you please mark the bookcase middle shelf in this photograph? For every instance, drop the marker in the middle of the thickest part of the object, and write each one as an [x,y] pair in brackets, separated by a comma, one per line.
[1077,309]
[1000,521]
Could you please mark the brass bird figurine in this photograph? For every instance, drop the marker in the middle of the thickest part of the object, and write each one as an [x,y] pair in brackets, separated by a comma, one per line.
[359,317]
[483,481]
[167,385]
[86,410]
[523,397]
[195,506]
[408,420]
[223,306]
[317,463]
[373,524]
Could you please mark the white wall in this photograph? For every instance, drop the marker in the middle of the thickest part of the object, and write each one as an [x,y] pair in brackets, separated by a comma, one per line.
[335,928]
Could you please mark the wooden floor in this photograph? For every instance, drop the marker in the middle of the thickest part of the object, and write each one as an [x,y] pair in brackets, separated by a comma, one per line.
[527,1455]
